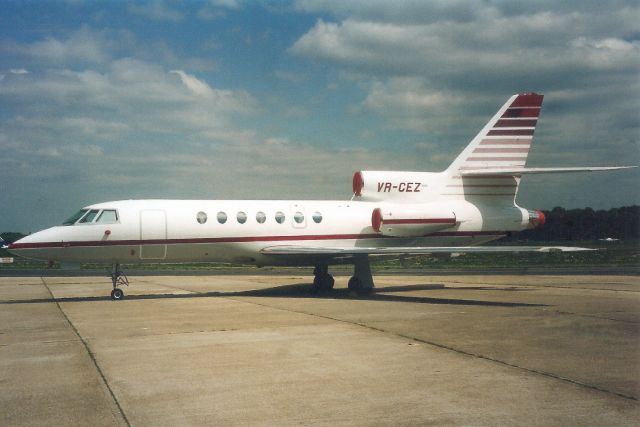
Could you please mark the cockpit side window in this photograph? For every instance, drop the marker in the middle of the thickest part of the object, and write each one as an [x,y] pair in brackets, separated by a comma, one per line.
[75,217]
[108,216]
[89,217]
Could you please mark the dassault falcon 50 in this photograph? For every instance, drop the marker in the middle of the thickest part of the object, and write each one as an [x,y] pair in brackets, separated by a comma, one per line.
[470,203]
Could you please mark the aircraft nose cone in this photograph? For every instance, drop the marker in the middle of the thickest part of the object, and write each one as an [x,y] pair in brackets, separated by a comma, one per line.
[32,246]
[15,248]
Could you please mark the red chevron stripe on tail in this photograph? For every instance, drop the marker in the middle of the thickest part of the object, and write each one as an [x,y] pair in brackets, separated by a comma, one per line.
[504,142]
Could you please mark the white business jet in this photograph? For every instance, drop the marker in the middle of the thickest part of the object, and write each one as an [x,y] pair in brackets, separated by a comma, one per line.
[470,203]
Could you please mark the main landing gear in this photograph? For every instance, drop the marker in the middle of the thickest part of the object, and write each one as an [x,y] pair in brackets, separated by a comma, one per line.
[362,281]
[360,284]
[118,278]
[322,281]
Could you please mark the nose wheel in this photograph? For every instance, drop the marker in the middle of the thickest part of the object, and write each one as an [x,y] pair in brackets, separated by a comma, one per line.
[117,294]
[118,278]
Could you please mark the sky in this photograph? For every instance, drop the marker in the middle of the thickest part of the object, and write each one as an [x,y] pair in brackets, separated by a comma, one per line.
[233,99]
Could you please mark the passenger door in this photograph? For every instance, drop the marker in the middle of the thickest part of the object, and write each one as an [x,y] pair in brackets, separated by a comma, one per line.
[153,234]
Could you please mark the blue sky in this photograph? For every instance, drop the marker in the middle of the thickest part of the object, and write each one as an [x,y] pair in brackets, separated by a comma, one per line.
[286,99]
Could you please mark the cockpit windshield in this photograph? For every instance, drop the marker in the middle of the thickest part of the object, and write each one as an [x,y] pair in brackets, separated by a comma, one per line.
[108,216]
[75,217]
[90,216]
[93,216]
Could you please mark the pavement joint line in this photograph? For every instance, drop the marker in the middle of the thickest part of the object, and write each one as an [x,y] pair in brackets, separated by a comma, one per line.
[530,285]
[38,343]
[635,322]
[453,349]
[373,328]
[90,353]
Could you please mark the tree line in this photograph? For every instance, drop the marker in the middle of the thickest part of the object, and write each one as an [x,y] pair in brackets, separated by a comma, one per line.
[586,224]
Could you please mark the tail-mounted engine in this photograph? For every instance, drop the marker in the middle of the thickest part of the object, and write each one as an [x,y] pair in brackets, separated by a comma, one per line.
[411,220]
[404,187]
[536,219]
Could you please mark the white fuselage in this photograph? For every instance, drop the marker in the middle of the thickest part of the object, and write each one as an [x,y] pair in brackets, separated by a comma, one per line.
[191,231]
[470,203]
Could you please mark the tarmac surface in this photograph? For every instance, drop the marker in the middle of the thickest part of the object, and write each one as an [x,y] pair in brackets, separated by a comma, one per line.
[261,350]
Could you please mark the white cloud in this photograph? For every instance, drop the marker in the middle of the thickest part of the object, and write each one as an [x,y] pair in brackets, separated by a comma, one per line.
[446,73]
[448,52]
[196,86]
[82,46]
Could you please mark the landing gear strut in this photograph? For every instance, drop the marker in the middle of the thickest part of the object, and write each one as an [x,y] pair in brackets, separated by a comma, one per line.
[362,281]
[323,281]
[118,278]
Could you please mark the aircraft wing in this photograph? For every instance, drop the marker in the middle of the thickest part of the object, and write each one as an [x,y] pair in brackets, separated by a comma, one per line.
[533,171]
[346,251]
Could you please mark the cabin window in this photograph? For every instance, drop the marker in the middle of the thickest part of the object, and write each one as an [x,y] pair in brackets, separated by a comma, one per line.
[108,216]
[317,217]
[75,217]
[201,217]
[279,217]
[241,217]
[89,217]
[222,217]
[298,217]
[261,217]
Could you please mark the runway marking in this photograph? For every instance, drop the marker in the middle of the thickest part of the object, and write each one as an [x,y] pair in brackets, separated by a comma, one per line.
[90,353]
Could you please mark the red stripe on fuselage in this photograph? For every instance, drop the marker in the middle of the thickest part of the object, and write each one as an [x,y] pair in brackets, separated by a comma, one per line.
[204,240]
[420,221]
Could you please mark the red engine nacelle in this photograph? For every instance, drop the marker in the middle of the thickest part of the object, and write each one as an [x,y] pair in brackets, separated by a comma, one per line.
[536,218]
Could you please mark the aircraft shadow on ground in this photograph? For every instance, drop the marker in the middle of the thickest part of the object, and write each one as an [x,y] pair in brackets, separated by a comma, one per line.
[303,290]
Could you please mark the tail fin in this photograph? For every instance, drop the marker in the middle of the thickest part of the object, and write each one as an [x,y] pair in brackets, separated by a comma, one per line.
[503,144]
[506,139]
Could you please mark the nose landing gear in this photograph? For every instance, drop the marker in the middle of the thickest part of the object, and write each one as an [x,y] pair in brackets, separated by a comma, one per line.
[118,278]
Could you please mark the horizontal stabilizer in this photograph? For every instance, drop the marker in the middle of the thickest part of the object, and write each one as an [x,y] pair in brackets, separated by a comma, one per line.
[532,171]
[328,251]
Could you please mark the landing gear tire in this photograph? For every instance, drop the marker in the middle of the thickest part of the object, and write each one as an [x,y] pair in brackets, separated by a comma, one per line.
[323,282]
[117,294]
[355,287]
[328,282]
[118,278]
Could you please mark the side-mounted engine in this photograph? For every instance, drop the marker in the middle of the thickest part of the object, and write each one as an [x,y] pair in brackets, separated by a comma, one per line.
[411,220]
